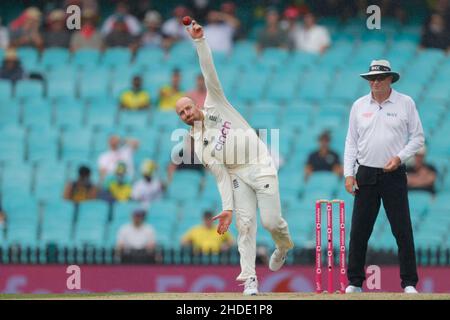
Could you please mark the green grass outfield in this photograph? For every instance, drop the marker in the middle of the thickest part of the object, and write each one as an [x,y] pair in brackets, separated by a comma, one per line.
[229,296]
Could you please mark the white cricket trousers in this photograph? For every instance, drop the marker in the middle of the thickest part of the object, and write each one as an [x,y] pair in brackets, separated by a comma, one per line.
[251,189]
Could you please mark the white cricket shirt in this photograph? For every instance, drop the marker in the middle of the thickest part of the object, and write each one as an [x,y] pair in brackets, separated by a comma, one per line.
[224,141]
[311,40]
[132,237]
[377,133]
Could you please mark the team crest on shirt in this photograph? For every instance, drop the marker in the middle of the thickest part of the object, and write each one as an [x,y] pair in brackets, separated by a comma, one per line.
[213,118]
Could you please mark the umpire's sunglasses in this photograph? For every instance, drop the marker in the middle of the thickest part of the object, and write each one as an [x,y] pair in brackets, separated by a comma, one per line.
[379,77]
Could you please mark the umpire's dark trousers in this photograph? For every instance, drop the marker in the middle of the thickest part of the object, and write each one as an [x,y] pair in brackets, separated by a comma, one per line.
[375,185]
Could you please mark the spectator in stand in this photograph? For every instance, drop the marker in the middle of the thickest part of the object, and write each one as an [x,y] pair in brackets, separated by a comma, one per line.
[57,34]
[135,98]
[442,7]
[311,37]
[229,8]
[199,93]
[421,175]
[323,159]
[81,189]
[205,239]
[3,224]
[4,36]
[332,8]
[117,187]
[272,36]
[88,37]
[187,159]
[25,29]
[120,35]
[139,8]
[290,21]
[152,36]
[169,94]
[173,28]
[136,241]
[122,14]
[220,31]
[91,5]
[199,9]
[435,34]
[148,188]
[11,68]
[393,9]
[120,151]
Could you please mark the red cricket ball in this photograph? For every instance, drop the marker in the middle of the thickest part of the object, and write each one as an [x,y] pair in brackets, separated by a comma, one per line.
[187,20]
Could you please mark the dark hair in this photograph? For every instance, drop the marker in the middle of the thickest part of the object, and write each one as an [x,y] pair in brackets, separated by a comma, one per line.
[207,214]
[325,135]
[84,171]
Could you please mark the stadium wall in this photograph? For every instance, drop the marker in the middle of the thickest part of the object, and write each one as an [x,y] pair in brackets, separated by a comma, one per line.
[53,279]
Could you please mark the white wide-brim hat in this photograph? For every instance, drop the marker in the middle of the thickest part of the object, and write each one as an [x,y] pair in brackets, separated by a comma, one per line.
[380,67]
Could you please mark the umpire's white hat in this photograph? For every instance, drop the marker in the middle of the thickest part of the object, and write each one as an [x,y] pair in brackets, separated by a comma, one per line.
[380,67]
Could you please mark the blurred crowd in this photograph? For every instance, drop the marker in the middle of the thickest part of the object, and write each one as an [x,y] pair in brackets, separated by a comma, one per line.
[136,25]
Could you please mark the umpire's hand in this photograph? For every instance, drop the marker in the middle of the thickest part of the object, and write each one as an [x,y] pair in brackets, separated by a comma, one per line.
[224,221]
[351,185]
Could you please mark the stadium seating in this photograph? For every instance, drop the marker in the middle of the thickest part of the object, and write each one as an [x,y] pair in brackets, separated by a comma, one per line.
[48,128]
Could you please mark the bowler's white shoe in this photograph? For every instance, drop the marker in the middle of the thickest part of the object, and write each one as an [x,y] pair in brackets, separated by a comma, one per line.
[277,259]
[353,289]
[251,287]
[410,289]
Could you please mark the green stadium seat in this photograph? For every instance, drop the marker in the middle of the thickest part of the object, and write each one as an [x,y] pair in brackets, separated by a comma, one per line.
[9,110]
[57,223]
[12,138]
[149,57]
[76,144]
[167,120]
[94,84]
[102,111]
[86,58]
[112,57]
[37,111]
[28,56]
[5,89]
[61,88]
[69,112]
[42,143]
[181,191]
[29,89]
[273,57]
[55,57]
[50,180]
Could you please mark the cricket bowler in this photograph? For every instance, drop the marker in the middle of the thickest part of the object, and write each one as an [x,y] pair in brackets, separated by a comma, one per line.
[245,173]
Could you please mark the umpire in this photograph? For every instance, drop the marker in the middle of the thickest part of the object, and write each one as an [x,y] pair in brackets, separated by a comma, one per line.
[384,131]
